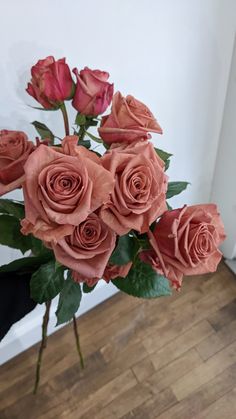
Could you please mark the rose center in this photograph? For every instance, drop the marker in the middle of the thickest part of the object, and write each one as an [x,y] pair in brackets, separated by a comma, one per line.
[201,244]
[139,185]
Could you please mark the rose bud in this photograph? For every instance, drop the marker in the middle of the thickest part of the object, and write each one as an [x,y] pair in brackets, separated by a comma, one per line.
[93,93]
[51,82]
[15,149]
[185,242]
[87,249]
[130,120]
[139,196]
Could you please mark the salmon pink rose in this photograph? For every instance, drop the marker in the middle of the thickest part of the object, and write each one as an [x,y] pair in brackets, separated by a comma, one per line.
[139,196]
[88,249]
[130,120]
[93,93]
[185,242]
[15,149]
[51,82]
[61,190]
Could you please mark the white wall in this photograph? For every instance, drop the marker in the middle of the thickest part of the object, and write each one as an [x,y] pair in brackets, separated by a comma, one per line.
[224,189]
[174,55]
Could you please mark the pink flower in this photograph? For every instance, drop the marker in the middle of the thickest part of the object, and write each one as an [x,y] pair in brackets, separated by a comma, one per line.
[185,242]
[51,82]
[61,190]
[93,92]
[15,149]
[139,196]
[88,281]
[88,248]
[130,120]
[115,271]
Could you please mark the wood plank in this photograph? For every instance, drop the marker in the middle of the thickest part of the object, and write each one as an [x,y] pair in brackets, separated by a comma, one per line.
[121,405]
[223,316]
[96,401]
[154,406]
[225,407]
[196,402]
[172,350]
[217,341]
[181,344]
[205,372]
[174,370]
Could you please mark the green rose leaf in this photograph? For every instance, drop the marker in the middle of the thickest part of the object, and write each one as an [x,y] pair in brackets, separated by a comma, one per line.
[87,289]
[94,138]
[92,121]
[69,300]
[125,250]
[44,109]
[164,156]
[46,282]
[10,207]
[167,165]
[143,282]
[175,188]
[85,143]
[43,130]
[10,234]
[26,265]
[38,247]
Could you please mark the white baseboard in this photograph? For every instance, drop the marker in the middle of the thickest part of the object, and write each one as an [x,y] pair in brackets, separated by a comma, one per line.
[27,331]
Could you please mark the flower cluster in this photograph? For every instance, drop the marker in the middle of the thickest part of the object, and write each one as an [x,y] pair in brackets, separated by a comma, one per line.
[105,215]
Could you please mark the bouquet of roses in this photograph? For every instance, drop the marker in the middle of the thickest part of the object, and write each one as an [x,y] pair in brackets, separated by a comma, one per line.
[89,216]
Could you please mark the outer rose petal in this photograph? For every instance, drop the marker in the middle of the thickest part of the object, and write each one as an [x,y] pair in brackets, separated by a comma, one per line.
[49,233]
[130,120]
[11,186]
[89,281]
[115,271]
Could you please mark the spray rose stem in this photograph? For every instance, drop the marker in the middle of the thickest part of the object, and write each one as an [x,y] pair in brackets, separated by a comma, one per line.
[77,339]
[65,118]
[42,345]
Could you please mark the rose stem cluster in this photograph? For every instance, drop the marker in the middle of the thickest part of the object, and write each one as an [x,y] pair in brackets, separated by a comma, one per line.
[42,345]
[65,118]
[77,340]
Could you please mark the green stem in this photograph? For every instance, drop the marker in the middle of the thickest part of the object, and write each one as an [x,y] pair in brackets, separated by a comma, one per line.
[65,118]
[42,345]
[82,133]
[77,340]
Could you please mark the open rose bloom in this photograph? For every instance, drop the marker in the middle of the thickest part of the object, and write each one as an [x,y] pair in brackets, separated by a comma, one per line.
[89,214]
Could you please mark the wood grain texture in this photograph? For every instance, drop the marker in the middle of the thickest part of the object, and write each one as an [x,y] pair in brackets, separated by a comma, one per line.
[170,358]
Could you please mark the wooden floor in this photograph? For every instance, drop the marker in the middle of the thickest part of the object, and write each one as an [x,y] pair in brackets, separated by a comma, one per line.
[173,357]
